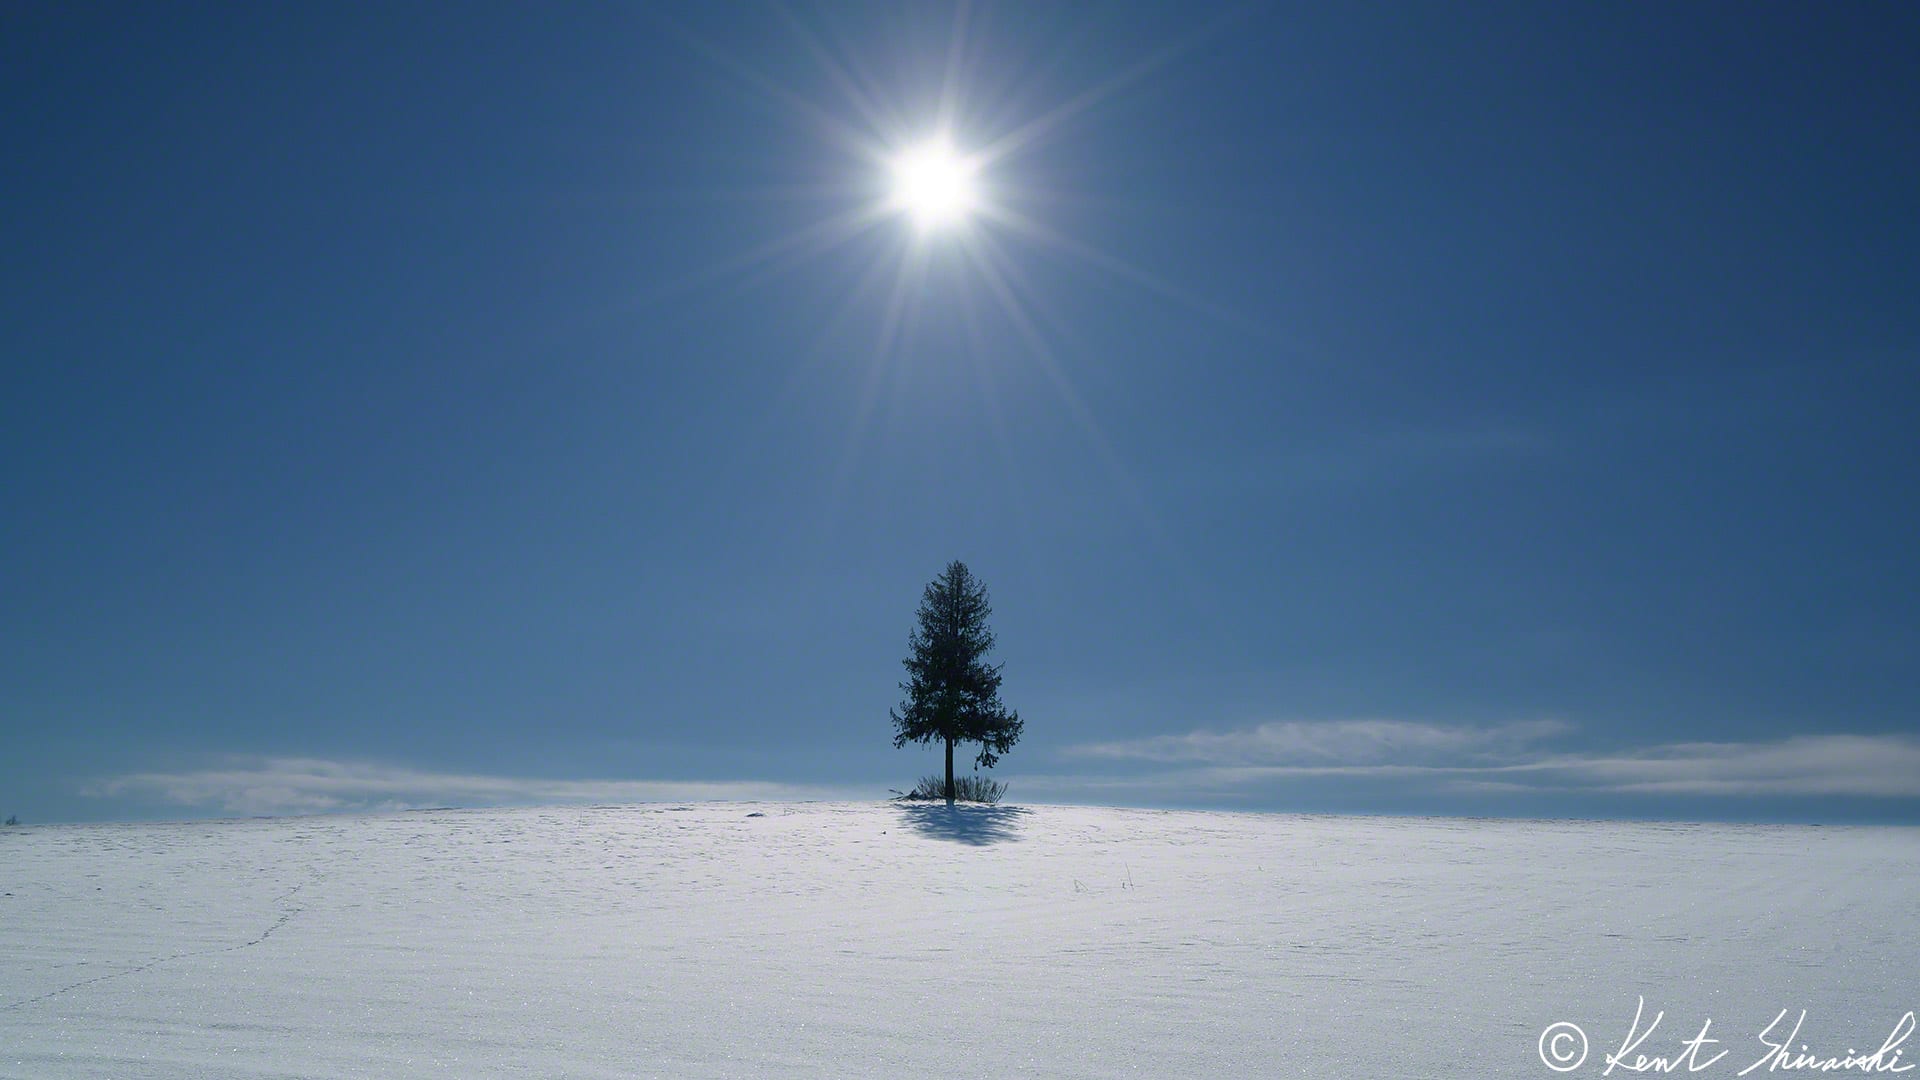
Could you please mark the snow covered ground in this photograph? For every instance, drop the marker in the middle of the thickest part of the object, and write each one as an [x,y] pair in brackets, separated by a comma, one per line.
[854,940]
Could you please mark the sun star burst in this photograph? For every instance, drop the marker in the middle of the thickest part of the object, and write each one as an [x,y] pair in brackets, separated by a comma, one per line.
[934,184]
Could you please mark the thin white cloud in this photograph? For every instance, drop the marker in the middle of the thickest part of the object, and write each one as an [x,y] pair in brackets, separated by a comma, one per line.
[1303,743]
[1499,759]
[1876,765]
[1512,758]
[314,785]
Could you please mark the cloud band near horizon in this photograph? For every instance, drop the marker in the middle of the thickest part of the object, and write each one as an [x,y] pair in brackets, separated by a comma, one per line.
[1513,758]
[1516,758]
[297,785]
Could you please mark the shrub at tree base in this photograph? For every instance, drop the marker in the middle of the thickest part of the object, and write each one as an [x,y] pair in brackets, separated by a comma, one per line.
[978,789]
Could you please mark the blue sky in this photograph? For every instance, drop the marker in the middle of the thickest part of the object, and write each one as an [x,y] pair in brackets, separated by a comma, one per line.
[1433,409]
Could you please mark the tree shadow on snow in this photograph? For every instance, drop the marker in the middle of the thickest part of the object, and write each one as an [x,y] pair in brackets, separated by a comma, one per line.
[975,825]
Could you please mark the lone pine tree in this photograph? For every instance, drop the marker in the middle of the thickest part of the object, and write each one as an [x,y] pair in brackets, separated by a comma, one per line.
[953,694]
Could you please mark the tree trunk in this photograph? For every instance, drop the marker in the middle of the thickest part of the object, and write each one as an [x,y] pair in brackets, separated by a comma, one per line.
[949,772]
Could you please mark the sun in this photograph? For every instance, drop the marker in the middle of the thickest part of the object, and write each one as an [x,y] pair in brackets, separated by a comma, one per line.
[934,184]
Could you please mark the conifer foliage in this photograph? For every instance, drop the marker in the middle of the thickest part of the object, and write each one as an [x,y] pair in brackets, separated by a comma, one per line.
[953,694]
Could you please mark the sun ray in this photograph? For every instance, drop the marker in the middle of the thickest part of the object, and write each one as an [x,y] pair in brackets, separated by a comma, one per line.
[849,138]
[1044,124]
[822,192]
[817,348]
[865,102]
[910,272]
[993,264]
[811,239]
[1011,475]
[786,262]
[812,359]
[987,260]
[891,122]
[951,84]
[1046,318]
[1093,256]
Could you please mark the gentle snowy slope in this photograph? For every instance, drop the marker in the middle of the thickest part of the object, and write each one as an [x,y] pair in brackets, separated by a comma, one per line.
[839,940]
